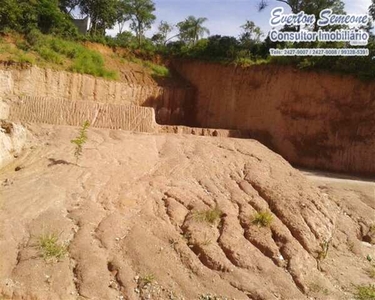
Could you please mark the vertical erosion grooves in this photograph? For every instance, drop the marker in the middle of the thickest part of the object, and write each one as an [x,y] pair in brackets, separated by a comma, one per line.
[74,113]
[173,103]
[314,120]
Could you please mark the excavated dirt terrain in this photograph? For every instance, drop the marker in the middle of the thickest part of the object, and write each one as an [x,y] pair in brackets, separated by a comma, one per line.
[163,216]
[313,119]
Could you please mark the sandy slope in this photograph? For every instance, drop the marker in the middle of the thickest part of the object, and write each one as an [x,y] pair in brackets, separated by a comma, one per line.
[129,211]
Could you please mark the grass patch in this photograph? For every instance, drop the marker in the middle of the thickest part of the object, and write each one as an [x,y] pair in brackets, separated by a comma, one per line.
[50,56]
[51,248]
[155,69]
[262,219]
[210,216]
[365,292]
[25,58]
[92,63]
[73,56]
[15,54]
[247,62]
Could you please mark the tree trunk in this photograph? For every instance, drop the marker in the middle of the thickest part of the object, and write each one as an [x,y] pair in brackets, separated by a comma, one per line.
[139,35]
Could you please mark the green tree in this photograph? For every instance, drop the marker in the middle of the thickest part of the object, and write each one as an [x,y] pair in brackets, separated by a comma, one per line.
[142,16]
[10,15]
[102,13]
[123,14]
[308,6]
[222,47]
[372,9]
[69,5]
[126,39]
[52,20]
[164,29]
[44,15]
[251,34]
[192,29]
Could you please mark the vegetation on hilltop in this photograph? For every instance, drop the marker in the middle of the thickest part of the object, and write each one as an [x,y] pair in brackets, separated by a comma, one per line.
[187,39]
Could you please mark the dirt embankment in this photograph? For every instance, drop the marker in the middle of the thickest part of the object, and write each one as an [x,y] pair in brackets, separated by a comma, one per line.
[137,87]
[316,120]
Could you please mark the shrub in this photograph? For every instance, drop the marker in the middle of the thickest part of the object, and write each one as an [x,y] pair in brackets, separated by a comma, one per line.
[263,219]
[50,247]
[80,140]
[365,292]
[209,216]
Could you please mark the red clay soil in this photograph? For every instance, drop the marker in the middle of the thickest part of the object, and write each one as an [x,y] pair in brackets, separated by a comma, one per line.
[316,120]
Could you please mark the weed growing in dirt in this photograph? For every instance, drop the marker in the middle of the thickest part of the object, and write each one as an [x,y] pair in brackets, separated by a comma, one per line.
[173,243]
[80,140]
[317,288]
[322,254]
[207,241]
[365,292]
[211,297]
[263,219]
[50,247]
[145,280]
[209,216]
[371,272]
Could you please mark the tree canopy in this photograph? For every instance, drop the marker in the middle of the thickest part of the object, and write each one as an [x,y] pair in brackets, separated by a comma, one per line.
[192,29]
[141,16]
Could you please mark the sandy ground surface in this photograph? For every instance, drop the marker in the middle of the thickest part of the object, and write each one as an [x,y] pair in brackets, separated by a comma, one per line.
[135,218]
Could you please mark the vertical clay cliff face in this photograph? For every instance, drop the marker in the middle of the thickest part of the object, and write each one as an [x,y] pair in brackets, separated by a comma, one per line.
[170,102]
[315,120]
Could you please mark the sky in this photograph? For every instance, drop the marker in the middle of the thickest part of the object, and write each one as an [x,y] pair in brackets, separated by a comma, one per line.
[226,16]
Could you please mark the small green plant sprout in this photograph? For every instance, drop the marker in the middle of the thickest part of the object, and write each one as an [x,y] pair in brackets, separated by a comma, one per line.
[80,140]
[369,257]
[210,216]
[365,292]
[262,219]
[51,248]
[146,280]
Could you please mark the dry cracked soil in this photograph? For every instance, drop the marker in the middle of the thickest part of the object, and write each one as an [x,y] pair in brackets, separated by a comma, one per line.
[162,216]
